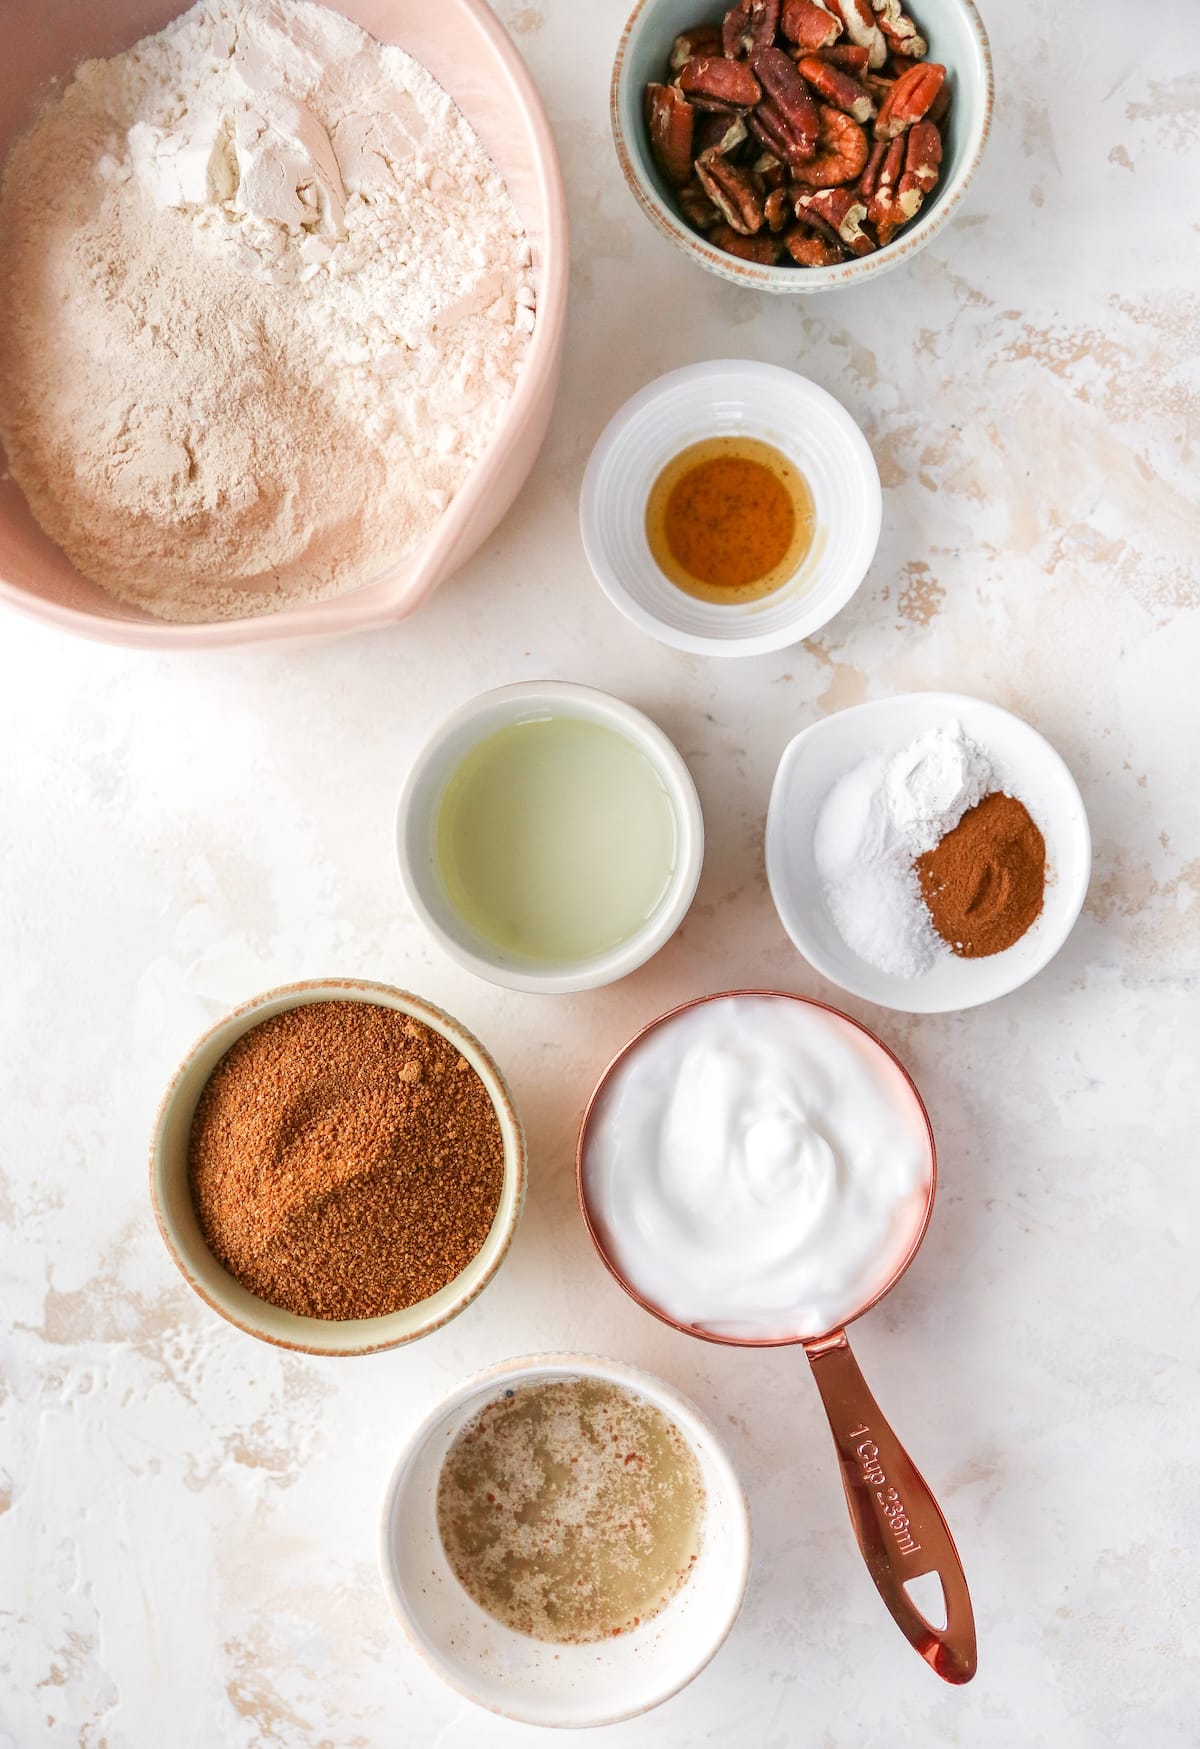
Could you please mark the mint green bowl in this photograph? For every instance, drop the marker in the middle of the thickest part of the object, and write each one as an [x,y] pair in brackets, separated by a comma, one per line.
[956,37]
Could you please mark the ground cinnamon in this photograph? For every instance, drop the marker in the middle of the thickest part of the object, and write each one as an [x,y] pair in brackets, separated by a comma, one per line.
[345,1160]
[984,883]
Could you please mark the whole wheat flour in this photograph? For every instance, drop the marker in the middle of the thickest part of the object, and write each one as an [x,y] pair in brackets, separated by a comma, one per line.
[262,299]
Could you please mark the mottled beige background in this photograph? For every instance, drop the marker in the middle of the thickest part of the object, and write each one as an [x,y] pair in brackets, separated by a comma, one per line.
[187,1519]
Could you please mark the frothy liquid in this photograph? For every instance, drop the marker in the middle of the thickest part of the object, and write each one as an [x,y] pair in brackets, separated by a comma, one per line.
[758,1167]
[571,1509]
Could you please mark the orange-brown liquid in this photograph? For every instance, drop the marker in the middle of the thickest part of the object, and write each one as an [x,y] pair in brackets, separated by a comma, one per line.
[730,519]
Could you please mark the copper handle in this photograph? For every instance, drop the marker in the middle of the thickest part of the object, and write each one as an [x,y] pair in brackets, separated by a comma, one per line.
[899,1526]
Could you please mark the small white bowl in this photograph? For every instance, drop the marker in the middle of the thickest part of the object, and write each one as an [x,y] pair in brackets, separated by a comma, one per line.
[731,397]
[956,37]
[526,1679]
[176,1214]
[1025,763]
[421,800]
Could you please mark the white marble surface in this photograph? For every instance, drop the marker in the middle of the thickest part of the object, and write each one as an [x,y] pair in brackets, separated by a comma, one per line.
[187,1518]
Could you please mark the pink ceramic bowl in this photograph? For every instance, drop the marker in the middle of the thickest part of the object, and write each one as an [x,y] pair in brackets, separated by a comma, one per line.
[469,52]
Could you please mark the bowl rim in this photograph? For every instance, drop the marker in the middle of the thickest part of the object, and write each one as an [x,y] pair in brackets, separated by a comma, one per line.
[865,987]
[658,747]
[434,559]
[516,1165]
[640,1381]
[805,623]
[785,280]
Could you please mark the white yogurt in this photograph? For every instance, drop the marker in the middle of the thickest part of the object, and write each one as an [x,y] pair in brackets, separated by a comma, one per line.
[757,1167]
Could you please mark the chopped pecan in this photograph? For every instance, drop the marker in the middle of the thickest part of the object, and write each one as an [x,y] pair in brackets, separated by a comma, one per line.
[843,212]
[749,25]
[772,170]
[701,39]
[909,99]
[777,209]
[850,57]
[765,248]
[941,103]
[812,248]
[840,89]
[735,192]
[923,157]
[788,110]
[841,152]
[808,25]
[903,37]
[671,121]
[712,80]
[891,206]
[697,209]
[719,130]
[858,17]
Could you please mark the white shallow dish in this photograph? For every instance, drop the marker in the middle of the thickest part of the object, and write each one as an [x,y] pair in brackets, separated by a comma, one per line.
[1026,765]
[416,827]
[731,397]
[526,1679]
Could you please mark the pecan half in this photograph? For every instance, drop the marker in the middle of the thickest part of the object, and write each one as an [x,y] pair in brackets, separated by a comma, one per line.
[749,25]
[843,212]
[712,80]
[890,206]
[765,248]
[671,121]
[702,39]
[735,192]
[909,99]
[923,157]
[841,152]
[850,57]
[840,89]
[868,182]
[858,17]
[903,37]
[808,25]
[788,111]
[812,248]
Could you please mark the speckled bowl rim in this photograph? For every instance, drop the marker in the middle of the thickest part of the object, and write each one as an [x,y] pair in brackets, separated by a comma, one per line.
[356,989]
[916,235]
[619,1372]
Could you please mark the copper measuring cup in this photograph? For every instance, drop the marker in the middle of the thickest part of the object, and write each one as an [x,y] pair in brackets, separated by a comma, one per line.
[899,1526]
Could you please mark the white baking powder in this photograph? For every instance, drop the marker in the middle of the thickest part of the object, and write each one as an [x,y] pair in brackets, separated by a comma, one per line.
[263,299]
[873,824]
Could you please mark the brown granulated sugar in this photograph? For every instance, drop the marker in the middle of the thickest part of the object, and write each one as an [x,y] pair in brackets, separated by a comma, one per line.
[345,1161]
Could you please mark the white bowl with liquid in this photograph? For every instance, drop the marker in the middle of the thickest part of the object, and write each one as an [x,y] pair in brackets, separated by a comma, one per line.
[731,397]
[589,857]
[531,1680]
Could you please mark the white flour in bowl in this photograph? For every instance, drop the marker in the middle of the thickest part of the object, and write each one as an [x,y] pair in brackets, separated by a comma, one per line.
[263,297]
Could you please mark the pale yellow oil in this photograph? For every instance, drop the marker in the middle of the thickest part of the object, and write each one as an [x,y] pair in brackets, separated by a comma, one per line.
[555,839]
[571,1509]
